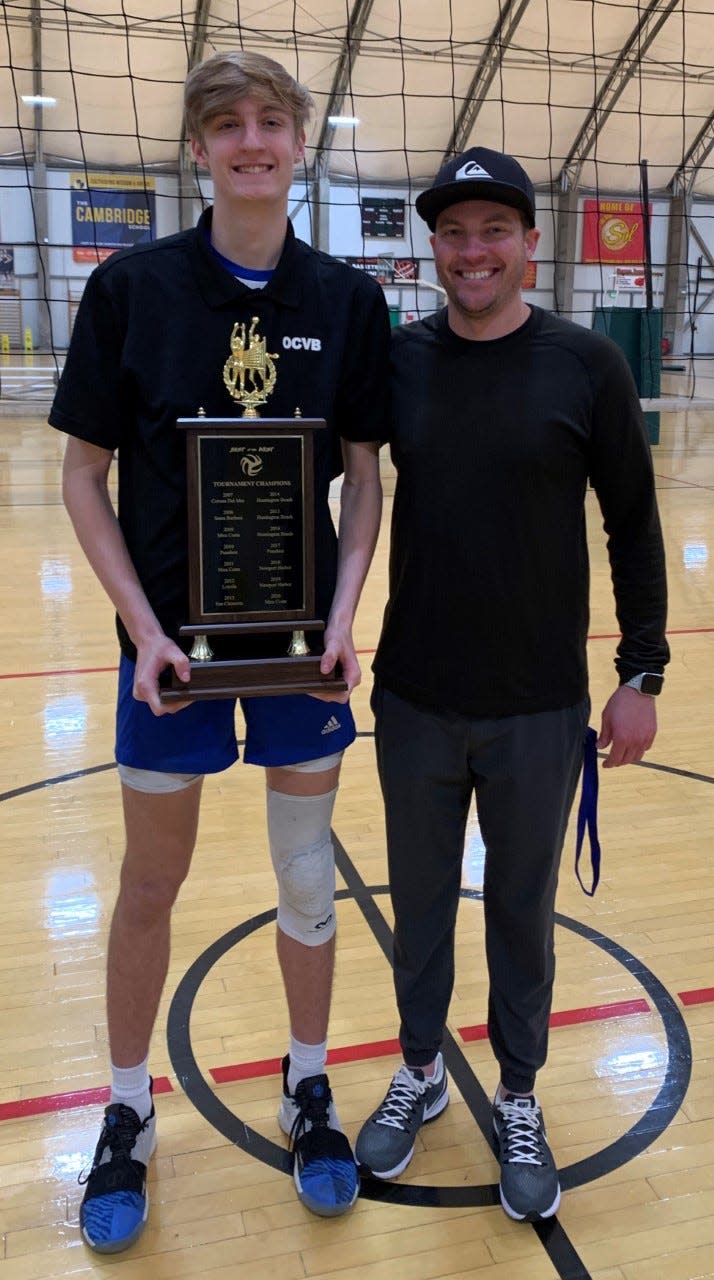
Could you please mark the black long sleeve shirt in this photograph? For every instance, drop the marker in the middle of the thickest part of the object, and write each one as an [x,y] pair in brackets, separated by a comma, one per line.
[495,443]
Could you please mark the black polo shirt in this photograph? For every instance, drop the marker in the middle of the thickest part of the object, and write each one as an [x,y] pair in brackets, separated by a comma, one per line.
[150,340]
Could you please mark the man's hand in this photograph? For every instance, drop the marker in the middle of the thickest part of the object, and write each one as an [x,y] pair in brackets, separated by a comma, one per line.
[152,657]
[629,725]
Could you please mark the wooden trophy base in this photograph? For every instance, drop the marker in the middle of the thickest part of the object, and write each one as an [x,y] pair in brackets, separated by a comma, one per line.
[253,678]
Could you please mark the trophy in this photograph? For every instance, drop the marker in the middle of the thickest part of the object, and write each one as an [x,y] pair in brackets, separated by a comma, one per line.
[250,537]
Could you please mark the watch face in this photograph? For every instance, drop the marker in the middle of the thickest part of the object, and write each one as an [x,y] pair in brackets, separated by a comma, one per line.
[652,684]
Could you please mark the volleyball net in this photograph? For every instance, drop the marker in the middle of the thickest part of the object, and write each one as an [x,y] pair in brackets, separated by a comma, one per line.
[606,104]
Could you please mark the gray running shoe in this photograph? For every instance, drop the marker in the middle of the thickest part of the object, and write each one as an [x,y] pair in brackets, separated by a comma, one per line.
[529,1185]
[386,1140]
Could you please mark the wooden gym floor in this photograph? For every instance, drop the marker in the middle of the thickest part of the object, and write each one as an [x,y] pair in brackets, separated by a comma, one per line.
[628,1091]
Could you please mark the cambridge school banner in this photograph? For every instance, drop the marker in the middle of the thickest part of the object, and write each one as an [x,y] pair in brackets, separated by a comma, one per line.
[110,211]
[613,231]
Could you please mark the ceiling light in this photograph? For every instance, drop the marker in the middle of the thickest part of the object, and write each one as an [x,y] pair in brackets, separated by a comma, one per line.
[36,100]
[342,120]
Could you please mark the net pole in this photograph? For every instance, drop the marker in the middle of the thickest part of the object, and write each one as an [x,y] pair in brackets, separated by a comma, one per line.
[645,190]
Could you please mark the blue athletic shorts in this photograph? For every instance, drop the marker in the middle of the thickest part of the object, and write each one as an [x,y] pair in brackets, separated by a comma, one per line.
[201,738]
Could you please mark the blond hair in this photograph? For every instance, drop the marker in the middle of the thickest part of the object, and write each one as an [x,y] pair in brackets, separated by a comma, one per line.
[214,85]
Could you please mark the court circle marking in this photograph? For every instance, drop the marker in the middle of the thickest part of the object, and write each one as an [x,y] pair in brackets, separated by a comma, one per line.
[636,1139]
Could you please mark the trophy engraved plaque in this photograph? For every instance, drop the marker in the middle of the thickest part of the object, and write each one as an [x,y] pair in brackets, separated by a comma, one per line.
[250,491]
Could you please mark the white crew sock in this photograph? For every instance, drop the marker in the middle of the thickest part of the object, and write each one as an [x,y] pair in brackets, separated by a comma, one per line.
[436,1072]
[305,1060]
[131,1085]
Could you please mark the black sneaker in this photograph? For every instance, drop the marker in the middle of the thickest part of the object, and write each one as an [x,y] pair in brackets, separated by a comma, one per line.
[529,1185]
[324,1167]
[115,1206]
[289,1110]
[386,1140]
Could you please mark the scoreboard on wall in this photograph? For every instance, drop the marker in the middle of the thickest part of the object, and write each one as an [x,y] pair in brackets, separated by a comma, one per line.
[382,219]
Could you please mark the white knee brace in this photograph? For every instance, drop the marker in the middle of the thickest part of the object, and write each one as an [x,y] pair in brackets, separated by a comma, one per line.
[304,862]
[153,782]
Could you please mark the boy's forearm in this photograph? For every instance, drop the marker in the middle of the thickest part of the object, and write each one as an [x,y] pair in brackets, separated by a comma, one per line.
[95,523]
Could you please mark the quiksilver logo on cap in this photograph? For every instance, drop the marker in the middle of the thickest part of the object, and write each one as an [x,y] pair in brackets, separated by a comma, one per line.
[472,170]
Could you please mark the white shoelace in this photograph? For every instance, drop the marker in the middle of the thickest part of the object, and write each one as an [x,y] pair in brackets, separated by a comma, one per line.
[523,1133]
[402,1096]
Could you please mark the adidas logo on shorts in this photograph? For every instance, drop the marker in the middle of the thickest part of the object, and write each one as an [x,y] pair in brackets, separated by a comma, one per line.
[332,724]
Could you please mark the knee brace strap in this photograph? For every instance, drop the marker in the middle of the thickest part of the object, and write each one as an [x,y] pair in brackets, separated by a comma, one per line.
[304,862]
[154,782]
[321,765]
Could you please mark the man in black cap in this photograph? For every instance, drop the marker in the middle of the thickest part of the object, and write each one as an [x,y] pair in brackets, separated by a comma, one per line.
[502,414]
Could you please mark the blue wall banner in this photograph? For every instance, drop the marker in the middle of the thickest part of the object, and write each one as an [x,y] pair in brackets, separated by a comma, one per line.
[110,211]
[7,263]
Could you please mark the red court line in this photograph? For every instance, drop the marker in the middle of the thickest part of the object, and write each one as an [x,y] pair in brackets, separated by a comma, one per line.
[273,1066]
[67,1101]
[478,1032]
[349,1053]
[691,631]
[571,1017]
[704,996]
[671,631]
[90,671]
[246,1070]
[599,1012]
[67,671]
[374,1049]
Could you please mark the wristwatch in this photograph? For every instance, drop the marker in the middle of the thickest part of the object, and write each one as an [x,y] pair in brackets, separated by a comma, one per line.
[647,682]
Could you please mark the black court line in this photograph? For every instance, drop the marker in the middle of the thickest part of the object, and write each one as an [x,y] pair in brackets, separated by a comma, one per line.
[552,1236]
[53,782]
[183,1060]
[669,768]
[363,733]
[641,1135]
[555,1241]
[560,1250]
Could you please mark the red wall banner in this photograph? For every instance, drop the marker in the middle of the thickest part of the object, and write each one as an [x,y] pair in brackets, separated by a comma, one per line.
[530,278]
[613,231]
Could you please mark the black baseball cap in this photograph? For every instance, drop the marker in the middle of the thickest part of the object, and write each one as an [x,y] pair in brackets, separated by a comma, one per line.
[478,174]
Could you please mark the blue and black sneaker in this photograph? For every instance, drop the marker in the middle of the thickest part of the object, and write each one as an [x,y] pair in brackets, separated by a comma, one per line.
[324,1167]
[115,1206]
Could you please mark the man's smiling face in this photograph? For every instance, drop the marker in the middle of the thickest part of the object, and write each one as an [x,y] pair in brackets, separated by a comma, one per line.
[250,151]
[481,249]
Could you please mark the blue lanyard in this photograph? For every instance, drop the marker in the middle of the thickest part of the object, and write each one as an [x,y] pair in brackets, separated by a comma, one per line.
[587,813]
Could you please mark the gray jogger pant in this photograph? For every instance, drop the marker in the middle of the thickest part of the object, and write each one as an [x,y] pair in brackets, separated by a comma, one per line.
[524,770]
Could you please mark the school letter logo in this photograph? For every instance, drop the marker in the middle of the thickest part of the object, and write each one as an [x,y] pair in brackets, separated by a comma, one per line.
[302,344]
